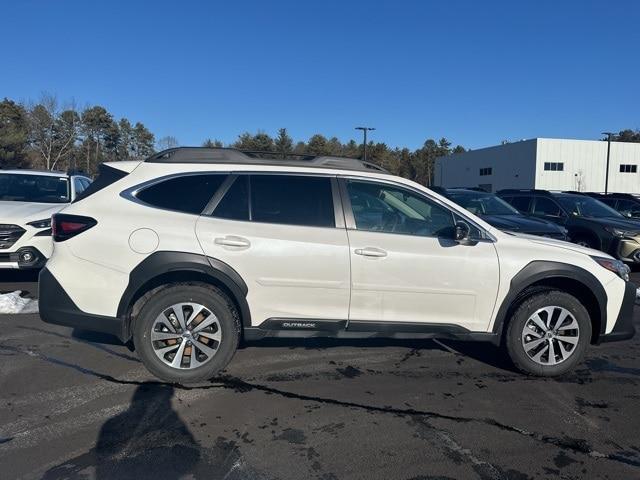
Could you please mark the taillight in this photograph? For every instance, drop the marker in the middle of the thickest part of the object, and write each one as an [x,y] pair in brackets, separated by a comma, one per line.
[65,226]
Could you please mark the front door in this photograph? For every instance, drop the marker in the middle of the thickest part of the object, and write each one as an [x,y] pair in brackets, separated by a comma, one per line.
[405,265]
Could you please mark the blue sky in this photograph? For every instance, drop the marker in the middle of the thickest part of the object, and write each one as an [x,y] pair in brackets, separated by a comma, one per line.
[475,72]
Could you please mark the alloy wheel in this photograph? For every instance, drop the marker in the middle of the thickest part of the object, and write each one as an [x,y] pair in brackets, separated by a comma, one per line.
[186,335]
[550,335]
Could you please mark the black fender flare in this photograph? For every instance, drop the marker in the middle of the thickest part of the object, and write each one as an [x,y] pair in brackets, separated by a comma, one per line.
[541,270]
[164,262]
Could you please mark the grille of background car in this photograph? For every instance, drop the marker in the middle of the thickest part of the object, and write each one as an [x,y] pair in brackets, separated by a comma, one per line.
[10,234]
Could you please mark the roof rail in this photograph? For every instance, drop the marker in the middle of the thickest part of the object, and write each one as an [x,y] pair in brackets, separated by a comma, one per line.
[613,194]
[524,190]
[472,189]
[232,155]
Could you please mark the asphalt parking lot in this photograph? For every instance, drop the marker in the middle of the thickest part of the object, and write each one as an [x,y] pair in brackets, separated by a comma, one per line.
[80,405]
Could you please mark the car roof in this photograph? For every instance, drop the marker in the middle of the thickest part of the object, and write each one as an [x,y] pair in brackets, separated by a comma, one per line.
[50,173]
[469,190]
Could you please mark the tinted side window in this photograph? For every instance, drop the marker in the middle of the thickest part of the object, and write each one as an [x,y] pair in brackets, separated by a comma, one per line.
[235,203]
[519,203]
[292,200]
[627,207]
[188,193]
[546,206]
[385,208]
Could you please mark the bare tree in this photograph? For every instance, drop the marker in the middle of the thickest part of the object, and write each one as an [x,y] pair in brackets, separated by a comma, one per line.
[167,142]
[53,130]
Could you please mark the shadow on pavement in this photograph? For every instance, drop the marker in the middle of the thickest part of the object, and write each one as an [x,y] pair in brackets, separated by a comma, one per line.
[95,337]
[483,352]
[148,440]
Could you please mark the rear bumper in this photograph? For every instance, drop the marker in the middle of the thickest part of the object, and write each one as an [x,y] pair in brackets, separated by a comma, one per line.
[623,329]
[56,307]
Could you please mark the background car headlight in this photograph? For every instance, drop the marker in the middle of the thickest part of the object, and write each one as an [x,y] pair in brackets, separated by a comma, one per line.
[44,223]
[618,232]
[615,266]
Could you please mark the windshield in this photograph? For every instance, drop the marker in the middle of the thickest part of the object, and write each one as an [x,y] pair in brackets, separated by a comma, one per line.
[583,206]
[18,187]
[480,203]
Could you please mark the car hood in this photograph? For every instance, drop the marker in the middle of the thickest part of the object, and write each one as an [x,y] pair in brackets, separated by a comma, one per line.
[550,242]
[521,223]
[23,212]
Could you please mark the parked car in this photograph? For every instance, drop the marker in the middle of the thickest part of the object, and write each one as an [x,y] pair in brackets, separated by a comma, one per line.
[28,198]
[590,222]
[627,204]
[193,249]
[500,214]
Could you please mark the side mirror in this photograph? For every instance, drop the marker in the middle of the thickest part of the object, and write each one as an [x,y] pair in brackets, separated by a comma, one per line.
[461,233]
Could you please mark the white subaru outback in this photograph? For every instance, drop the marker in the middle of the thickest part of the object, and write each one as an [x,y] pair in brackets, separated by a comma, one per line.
[195,249]
[28,198]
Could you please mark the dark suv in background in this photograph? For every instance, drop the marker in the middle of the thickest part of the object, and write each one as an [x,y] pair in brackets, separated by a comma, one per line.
[625,203]
[590,223]
[495,211]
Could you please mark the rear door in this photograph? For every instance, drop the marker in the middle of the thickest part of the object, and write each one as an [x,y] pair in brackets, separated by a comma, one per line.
[282,233]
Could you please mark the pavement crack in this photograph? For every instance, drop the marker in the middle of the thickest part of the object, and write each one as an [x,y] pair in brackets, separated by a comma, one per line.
[238,385]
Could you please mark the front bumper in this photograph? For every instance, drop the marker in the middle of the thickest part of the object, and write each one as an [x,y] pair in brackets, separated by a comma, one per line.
[628,250]
[624,328]
[25,258]
[56,307]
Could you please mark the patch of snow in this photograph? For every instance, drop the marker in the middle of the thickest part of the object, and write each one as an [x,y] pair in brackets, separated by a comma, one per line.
[14,303]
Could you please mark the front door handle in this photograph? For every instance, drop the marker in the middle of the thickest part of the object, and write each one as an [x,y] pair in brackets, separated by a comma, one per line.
[370,252]
[232,241]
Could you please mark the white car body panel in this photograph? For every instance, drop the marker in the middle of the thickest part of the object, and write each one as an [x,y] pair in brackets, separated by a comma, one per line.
[291,271]
[423,279]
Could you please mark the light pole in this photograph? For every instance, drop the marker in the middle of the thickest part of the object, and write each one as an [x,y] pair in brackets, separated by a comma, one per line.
[365,130]
[606,175]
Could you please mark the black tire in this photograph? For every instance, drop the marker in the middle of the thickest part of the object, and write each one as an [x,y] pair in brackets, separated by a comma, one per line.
[586,241]
[213,299]
[516,325]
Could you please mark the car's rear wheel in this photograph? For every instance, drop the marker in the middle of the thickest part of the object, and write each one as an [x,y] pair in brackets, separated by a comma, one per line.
[548,334]
[186,333]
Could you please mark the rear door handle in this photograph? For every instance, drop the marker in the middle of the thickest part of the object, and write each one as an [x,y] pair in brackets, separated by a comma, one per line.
[232,241]
[370,252]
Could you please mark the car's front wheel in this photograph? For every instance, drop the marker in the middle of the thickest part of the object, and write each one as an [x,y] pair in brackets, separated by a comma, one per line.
[186,332]
[548,334]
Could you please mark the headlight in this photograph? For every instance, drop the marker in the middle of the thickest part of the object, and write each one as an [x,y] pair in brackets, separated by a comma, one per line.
[45,223]
[618,232]
[615,266]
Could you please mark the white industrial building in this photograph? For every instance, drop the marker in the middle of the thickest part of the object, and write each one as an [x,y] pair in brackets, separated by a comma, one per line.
[544,163]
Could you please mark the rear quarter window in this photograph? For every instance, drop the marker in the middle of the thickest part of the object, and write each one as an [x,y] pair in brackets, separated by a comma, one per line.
[186,193]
